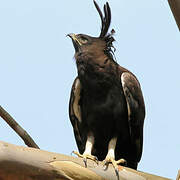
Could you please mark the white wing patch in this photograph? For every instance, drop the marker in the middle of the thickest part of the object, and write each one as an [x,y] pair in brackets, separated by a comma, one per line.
[76,107]
[123,77]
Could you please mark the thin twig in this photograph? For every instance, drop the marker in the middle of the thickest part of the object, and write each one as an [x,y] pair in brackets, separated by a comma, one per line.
[18,129]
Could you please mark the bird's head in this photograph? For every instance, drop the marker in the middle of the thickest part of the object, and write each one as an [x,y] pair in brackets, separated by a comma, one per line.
[96,45]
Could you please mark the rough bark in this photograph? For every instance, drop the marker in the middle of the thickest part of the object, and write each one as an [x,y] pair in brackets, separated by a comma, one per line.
[175,8]
[23,163]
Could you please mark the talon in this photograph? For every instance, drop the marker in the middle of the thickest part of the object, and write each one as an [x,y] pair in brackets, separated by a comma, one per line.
[105,166]
[117,173]
[85,162]
[85,157]
[96,159]
[115,163]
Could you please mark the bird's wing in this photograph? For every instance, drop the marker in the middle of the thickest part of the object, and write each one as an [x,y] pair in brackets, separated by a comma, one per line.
[75,112]
[136,110]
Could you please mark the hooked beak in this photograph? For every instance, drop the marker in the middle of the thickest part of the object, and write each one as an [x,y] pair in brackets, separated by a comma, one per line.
[77,44]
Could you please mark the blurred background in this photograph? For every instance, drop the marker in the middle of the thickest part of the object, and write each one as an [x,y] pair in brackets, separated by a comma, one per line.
[37,69]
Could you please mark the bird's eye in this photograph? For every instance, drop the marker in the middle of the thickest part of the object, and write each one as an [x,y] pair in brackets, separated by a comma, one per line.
[83,40]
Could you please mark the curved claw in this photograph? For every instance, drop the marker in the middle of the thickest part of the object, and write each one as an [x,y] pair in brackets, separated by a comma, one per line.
[117,173]
[85,157]
[85,162]
[115,164]
[105,166]
[93,158]
[96,160]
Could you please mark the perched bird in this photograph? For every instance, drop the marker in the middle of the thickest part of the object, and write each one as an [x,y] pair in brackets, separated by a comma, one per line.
[106,106]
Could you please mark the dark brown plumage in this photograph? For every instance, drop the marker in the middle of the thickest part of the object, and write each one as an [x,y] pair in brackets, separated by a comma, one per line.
[106,106]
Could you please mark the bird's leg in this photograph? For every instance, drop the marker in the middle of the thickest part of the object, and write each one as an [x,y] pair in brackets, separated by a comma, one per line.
[88,148]
[110,157]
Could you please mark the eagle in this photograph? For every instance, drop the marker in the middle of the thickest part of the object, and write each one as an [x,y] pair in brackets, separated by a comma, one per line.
[106,106]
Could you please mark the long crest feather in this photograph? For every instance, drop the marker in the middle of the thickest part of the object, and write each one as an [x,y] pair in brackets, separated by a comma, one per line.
[106,20]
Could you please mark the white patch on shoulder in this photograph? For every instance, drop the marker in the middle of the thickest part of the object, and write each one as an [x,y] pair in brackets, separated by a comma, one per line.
[76,107]
[123,79]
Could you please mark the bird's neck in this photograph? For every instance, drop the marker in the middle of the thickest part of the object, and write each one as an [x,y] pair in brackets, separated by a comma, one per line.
[96,73]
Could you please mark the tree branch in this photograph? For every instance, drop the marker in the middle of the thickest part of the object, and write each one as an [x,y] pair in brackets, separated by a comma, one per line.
[175,8]
[23,163]
[17,128]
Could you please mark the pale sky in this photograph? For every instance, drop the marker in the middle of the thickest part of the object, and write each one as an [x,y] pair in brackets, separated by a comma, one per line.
[37,70]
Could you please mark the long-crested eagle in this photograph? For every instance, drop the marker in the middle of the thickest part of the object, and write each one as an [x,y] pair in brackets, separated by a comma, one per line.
[106,106]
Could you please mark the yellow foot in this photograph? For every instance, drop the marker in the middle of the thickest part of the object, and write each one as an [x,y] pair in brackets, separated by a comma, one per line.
[85,157]
[115,164]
